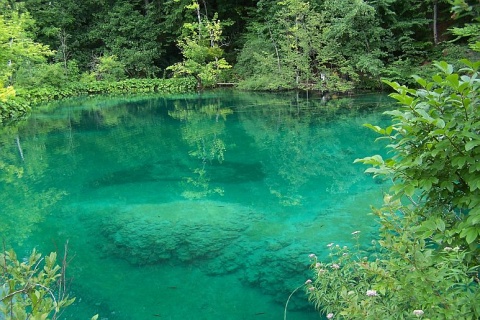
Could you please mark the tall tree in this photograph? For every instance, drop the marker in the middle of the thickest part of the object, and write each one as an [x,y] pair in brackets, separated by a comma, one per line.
[278,51]
[16,46]
[352,38]
[201,47]
[296,44]
[129,33]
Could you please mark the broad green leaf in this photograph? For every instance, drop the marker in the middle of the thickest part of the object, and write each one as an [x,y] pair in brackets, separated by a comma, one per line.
[428,225]
[474,65]
[377,129]
[375,160]
[471,235]
[452,80]
[472,144]
[425,115]
[420,80]
[473,219]
[444,66]
[393,85]
[409,190]
[388,130]
[459,162]
[437,78]
[440,224]
[396,188]
[439,122]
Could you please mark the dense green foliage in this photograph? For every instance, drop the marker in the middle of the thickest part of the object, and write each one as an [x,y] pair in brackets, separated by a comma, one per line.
[16,48]
[426,262]
[353,40]
[435,137]
[471,30]
[341,45]
[325,45]
[427,258]
[200,46]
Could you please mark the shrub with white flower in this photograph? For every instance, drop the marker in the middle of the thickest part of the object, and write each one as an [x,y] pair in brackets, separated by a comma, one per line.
[427,251]
[372,293]
[373,283]
[418,313]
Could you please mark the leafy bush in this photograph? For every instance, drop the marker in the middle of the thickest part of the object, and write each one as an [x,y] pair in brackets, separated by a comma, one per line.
[436,139]
[426,261]
[108,68]
[32,289]
[43,75]
[399,277]
[17,106]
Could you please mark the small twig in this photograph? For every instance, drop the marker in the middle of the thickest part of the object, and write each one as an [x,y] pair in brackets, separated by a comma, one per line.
[23,290]
[62,280]
[35,268]
[4,257]
[53,297]
[288,300]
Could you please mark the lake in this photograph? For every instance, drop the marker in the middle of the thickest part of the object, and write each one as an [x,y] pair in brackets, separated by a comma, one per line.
[198,206]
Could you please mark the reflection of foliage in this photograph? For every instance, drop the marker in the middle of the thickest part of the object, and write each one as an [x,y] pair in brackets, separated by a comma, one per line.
[21,164]
[26,99]
[9,172]
[303,147]
[35,206]
[303,142]
[201,185]
[203,128]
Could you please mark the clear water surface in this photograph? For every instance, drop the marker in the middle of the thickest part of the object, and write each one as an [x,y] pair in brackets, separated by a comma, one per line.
[200,206]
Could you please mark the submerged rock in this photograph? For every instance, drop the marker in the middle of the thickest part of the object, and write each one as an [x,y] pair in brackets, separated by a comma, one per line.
[182,231]
[218,238]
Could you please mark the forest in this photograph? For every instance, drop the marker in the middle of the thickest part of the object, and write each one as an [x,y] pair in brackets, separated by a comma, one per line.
[54,49]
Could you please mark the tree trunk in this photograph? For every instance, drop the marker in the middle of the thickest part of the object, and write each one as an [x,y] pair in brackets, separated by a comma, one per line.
[199,82]
[276,49]
[297,53]
[63,36]
[19,146]
[199,17]
[435,18]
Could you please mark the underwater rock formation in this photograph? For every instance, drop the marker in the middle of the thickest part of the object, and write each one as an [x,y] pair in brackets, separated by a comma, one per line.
[216,237]
[181,231]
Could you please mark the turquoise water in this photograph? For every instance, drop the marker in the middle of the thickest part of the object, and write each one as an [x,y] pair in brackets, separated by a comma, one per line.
[192,206]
